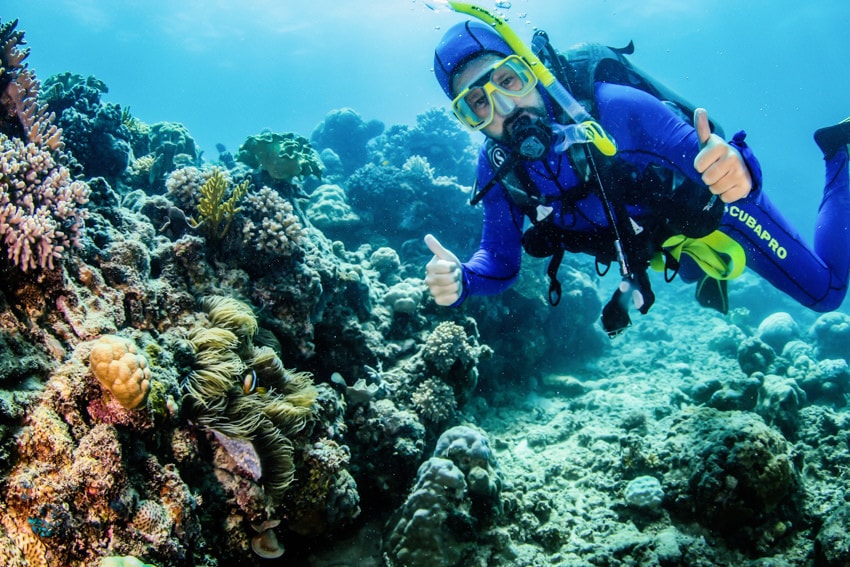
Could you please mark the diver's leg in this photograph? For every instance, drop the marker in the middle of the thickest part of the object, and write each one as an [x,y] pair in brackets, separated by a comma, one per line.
[833,138]
[832,232]
[816,278]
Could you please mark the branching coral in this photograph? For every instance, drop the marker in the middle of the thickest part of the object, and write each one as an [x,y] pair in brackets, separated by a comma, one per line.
[446,346]
[434,401]
[23,115]
[283,156]
[215,208]
[39,203]
[269,416]
[270,225]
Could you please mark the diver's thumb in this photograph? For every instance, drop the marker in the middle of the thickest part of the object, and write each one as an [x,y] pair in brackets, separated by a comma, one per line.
[439,250]
[701,124]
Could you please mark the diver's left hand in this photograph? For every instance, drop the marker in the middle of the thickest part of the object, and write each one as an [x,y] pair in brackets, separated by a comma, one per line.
[721,165]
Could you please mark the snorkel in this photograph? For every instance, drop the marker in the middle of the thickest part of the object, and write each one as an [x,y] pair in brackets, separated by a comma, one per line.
[585,129]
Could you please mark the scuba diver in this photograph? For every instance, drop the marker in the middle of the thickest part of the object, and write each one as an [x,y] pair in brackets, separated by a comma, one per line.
[630,180]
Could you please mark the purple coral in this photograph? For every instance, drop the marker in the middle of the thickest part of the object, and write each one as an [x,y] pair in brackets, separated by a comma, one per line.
[39,205]
[39,214]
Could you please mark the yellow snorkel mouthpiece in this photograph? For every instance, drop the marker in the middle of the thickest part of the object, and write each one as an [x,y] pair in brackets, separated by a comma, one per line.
[596,135]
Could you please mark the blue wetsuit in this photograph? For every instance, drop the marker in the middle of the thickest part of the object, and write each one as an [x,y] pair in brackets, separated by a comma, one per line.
[648,133]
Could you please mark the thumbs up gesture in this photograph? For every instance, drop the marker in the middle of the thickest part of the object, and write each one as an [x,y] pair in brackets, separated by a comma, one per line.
[443,273]
[721,165]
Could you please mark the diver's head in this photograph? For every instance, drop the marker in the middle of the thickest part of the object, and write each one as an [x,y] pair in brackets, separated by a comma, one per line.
[489,85]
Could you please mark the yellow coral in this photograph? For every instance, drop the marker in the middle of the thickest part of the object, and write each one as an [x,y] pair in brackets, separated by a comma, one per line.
[214,210]
[120,368]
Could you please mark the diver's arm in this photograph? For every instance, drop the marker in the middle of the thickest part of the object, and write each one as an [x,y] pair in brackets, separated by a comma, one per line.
[648,132]
[495,265]
[720,164]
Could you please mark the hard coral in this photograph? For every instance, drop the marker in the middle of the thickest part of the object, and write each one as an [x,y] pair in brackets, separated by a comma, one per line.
[92,130]
[118,366]
[39,215]
[283,156]
[433,528]
[22,115]
[345,133]
[270,229]
[329,211]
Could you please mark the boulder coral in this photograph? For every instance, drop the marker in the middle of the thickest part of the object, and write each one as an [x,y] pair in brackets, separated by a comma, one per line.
[346,133]
[730,471]
[329,210]
[121,369]
[831,334]
[469,449]
[433,527]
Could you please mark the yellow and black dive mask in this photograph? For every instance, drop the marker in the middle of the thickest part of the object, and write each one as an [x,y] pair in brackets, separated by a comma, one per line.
[494,91]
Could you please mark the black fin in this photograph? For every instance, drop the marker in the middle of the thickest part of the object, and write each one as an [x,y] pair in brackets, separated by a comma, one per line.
[713,293]
[833,138]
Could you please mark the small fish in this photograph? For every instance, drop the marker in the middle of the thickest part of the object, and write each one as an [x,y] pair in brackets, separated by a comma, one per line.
[249,383]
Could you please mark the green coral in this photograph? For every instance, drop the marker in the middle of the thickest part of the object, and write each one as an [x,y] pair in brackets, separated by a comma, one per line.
[283,156]
[216,212]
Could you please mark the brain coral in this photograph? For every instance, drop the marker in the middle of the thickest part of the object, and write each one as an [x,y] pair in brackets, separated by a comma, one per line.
[121,369]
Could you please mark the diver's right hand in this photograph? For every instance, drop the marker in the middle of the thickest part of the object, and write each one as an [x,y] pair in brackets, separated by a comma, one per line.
[443,273]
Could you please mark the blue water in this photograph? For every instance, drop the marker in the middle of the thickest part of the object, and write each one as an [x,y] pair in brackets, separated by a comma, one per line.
[227,70]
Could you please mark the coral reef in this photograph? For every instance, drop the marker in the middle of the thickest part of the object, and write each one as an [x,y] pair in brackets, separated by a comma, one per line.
[329,211]
[456,490]
[23,116]
[270,230]
[778,329]
[41,211]
[437,137]
[93,131]
[730,471]
[644,492]
[433,527]
[469,449]
[831,333]
[400,203]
